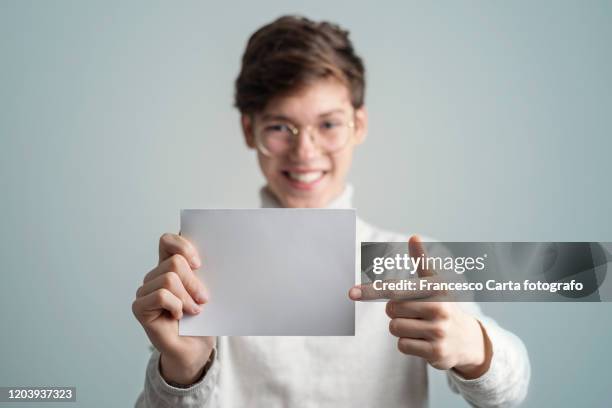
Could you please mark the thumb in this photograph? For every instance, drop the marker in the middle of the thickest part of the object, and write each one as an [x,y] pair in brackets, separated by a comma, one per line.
[416,250]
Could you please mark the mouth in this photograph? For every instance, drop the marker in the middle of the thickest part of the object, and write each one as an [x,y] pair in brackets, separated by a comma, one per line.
[304,179]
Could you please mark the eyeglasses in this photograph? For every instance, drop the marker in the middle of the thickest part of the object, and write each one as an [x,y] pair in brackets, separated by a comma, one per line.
[275,138]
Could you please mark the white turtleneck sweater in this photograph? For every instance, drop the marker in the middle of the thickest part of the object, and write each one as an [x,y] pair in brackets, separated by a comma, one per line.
[366,370]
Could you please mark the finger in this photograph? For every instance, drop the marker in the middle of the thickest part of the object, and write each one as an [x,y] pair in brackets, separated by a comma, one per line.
[415,347]
[179,265]
[412,328]
[172,244]
[382,290]
[161,299]
[417,309]
[373,291]
[416,250]
[355,293]
[172,282]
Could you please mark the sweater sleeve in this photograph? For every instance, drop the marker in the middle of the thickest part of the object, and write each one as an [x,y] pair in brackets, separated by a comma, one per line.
[158,393]
[506,381]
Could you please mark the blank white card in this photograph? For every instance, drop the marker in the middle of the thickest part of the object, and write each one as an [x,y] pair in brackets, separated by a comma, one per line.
[273,272]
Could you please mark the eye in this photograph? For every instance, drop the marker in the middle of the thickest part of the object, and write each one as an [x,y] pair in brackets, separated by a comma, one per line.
[277,128]
[329,124]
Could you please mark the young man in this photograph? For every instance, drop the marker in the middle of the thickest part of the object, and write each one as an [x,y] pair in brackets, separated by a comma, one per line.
[301,96]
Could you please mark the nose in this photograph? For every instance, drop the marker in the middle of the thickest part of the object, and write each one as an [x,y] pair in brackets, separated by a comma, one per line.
[304,147]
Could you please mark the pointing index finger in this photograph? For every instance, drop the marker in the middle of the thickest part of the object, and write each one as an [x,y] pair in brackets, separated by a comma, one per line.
[387,290]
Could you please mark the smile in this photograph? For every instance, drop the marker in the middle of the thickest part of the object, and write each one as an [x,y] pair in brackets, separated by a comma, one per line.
[304,179]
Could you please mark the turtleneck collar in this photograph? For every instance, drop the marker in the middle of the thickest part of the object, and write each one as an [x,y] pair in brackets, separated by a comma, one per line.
[344,200]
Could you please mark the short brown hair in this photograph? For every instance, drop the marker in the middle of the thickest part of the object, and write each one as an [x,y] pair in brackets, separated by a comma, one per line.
[291,52]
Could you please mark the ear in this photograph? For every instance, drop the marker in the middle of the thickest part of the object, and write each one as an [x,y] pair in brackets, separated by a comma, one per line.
[247,130]
[361,125]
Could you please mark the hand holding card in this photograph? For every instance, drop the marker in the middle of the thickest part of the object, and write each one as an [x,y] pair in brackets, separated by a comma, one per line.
[168,291]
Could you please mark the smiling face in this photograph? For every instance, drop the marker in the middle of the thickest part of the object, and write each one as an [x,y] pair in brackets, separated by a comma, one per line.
[306,176]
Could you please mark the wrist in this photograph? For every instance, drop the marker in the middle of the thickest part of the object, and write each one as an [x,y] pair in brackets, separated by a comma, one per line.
[183,373]
[478,363]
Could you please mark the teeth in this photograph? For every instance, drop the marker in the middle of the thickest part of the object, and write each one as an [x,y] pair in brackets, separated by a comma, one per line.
[306,177]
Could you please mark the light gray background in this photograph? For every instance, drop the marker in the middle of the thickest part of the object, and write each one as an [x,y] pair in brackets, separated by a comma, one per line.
[488,121]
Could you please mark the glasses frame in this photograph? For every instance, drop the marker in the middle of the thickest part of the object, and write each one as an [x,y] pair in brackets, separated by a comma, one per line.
[296,130]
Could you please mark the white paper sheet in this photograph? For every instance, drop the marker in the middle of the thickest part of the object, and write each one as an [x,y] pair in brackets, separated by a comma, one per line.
[273,272]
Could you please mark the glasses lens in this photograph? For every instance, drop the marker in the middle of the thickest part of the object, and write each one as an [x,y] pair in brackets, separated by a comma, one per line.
[333,134]
[275,138]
